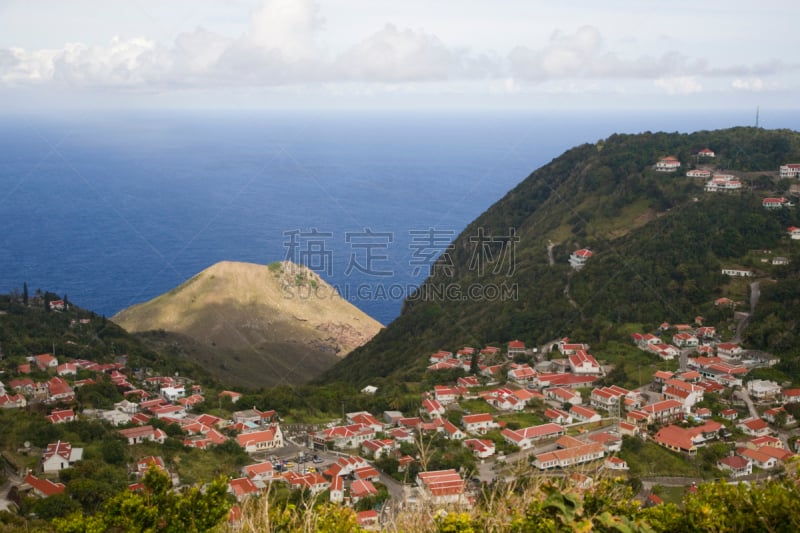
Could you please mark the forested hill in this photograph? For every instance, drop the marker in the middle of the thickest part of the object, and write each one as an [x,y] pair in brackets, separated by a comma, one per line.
[659,243]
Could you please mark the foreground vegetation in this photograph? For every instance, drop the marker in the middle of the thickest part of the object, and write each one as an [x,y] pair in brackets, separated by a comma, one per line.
[537,504]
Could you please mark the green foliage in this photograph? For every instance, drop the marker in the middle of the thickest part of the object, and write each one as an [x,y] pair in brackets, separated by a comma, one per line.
[156,508]
[660,244]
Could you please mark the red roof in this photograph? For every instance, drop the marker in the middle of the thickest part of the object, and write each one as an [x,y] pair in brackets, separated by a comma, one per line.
[516,345]
[44,486]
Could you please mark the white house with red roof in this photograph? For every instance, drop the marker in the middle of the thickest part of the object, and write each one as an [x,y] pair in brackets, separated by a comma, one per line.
[706,152]
[479,423]
[481,448]
[43,488]
[242,488]
[260,472]
[685,340]
[522,374]
[61,416]
[468,382]
[361,489]
[776,203]
[581,413]
[723,183]
[791,395]
[757,458]
[12,401]
[233,395]
[578,258]
[45,361]
[557,416]
[442,487]
[663,411]
[790,170]
[432,408]
[516,347]
[688,394]
[668,164]
[263,440]
[737,465]
[569,452]
[756,427]
[336,489]
[615,463]
[794,232]
[59,390]
[67,369]
[140,434]
[60,455]
[365,418]
[446,394]
[563,395]
[582,362]
[525,437]
[378,448]
[699,173]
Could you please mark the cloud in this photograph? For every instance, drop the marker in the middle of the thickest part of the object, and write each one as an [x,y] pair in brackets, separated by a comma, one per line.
[393,55]
[754,84]
[582,54]
[282,46]
[679,85]
[287,27]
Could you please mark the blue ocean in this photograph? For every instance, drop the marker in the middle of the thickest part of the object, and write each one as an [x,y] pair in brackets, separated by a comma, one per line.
[113,209]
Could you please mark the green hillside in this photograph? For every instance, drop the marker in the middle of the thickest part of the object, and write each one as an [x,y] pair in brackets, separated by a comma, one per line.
[659,245]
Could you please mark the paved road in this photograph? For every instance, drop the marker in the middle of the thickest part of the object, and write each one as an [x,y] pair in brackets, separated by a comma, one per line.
[743,394]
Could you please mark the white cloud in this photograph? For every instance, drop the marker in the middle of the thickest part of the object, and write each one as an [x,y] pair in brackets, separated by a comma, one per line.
[753,84]
[283,44]
[400,55]
[679,85]
[288,27]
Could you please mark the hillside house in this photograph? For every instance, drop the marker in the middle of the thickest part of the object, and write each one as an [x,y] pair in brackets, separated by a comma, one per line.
[706,152]
[699,173]
[481,448]
[138,435]
[479,423]
[581,413]
[259,441]
[761,389]
[442,487]
[42,488]
[525,437]
[582,362]
[60,455]
[790,170]
[668,164]
[776,203]
[570,452]
[515,348]
[578,258]
[737,465]
[755,427]
[794,232]
[723,183]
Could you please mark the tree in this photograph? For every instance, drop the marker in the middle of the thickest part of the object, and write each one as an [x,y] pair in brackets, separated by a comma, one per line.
[156,508]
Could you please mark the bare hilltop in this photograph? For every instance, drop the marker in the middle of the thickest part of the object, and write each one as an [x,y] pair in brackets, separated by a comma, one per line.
[254,325]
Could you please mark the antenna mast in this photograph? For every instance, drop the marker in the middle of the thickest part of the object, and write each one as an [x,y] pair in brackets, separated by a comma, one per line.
[757,116]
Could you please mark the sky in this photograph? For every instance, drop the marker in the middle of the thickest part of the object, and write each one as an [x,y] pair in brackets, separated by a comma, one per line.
[414,54]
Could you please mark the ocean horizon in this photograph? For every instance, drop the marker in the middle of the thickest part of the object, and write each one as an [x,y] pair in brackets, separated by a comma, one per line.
[113,209]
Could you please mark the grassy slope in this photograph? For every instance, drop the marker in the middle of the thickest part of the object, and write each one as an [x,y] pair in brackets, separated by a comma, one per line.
[253,324]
